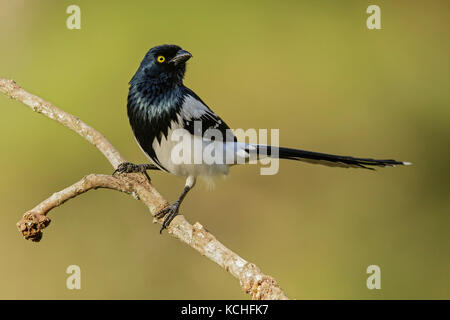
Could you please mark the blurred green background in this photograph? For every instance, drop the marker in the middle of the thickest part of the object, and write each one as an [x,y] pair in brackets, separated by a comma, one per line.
[311,69]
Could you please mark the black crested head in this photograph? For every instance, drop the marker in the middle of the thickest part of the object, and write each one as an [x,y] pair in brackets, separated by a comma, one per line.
[163,65]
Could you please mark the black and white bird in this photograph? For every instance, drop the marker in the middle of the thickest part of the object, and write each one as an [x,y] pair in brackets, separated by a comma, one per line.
[159,105]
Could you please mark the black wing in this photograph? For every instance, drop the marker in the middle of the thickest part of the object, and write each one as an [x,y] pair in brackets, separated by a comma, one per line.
[198,118]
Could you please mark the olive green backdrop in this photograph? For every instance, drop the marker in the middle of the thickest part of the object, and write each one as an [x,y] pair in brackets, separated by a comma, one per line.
[311,69]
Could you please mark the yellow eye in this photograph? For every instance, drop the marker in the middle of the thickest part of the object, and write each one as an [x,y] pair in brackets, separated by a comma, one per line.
[161,59]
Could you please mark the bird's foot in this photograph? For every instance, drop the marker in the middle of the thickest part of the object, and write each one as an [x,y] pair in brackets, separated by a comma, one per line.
[128,167]
[169,213]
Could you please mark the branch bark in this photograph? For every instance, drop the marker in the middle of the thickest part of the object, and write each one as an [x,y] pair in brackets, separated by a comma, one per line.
[252,280]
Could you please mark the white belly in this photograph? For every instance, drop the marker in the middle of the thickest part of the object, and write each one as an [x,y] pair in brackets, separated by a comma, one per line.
[184,154]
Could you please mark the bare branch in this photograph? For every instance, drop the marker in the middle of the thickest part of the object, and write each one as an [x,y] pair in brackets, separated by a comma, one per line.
[12,90]
[252,280]
[35,220]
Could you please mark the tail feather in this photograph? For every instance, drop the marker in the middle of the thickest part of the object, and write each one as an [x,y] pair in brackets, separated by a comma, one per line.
[326,159]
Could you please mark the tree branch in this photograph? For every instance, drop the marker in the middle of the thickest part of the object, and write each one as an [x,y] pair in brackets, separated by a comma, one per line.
[252,280]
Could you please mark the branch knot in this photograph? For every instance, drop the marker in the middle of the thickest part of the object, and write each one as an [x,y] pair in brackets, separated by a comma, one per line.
[32,224]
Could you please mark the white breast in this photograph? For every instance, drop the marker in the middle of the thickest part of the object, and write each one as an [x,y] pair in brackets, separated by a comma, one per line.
[190,161]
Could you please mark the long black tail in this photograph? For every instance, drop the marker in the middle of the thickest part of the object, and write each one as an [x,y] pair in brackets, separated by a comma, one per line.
[327,159]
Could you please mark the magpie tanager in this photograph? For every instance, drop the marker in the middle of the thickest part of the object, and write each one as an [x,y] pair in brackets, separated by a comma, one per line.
[159,105]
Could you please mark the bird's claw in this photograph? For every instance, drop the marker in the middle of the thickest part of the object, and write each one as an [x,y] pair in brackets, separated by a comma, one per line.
[169,213]
[128,167]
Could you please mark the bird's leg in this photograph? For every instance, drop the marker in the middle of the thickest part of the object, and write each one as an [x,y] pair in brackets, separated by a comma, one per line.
[171,211]
[128,167]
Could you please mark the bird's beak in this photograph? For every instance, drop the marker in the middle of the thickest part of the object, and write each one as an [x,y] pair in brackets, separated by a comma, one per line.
[181,56]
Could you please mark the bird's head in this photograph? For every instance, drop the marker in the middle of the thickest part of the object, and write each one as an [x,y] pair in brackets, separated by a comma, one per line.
[165,64]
